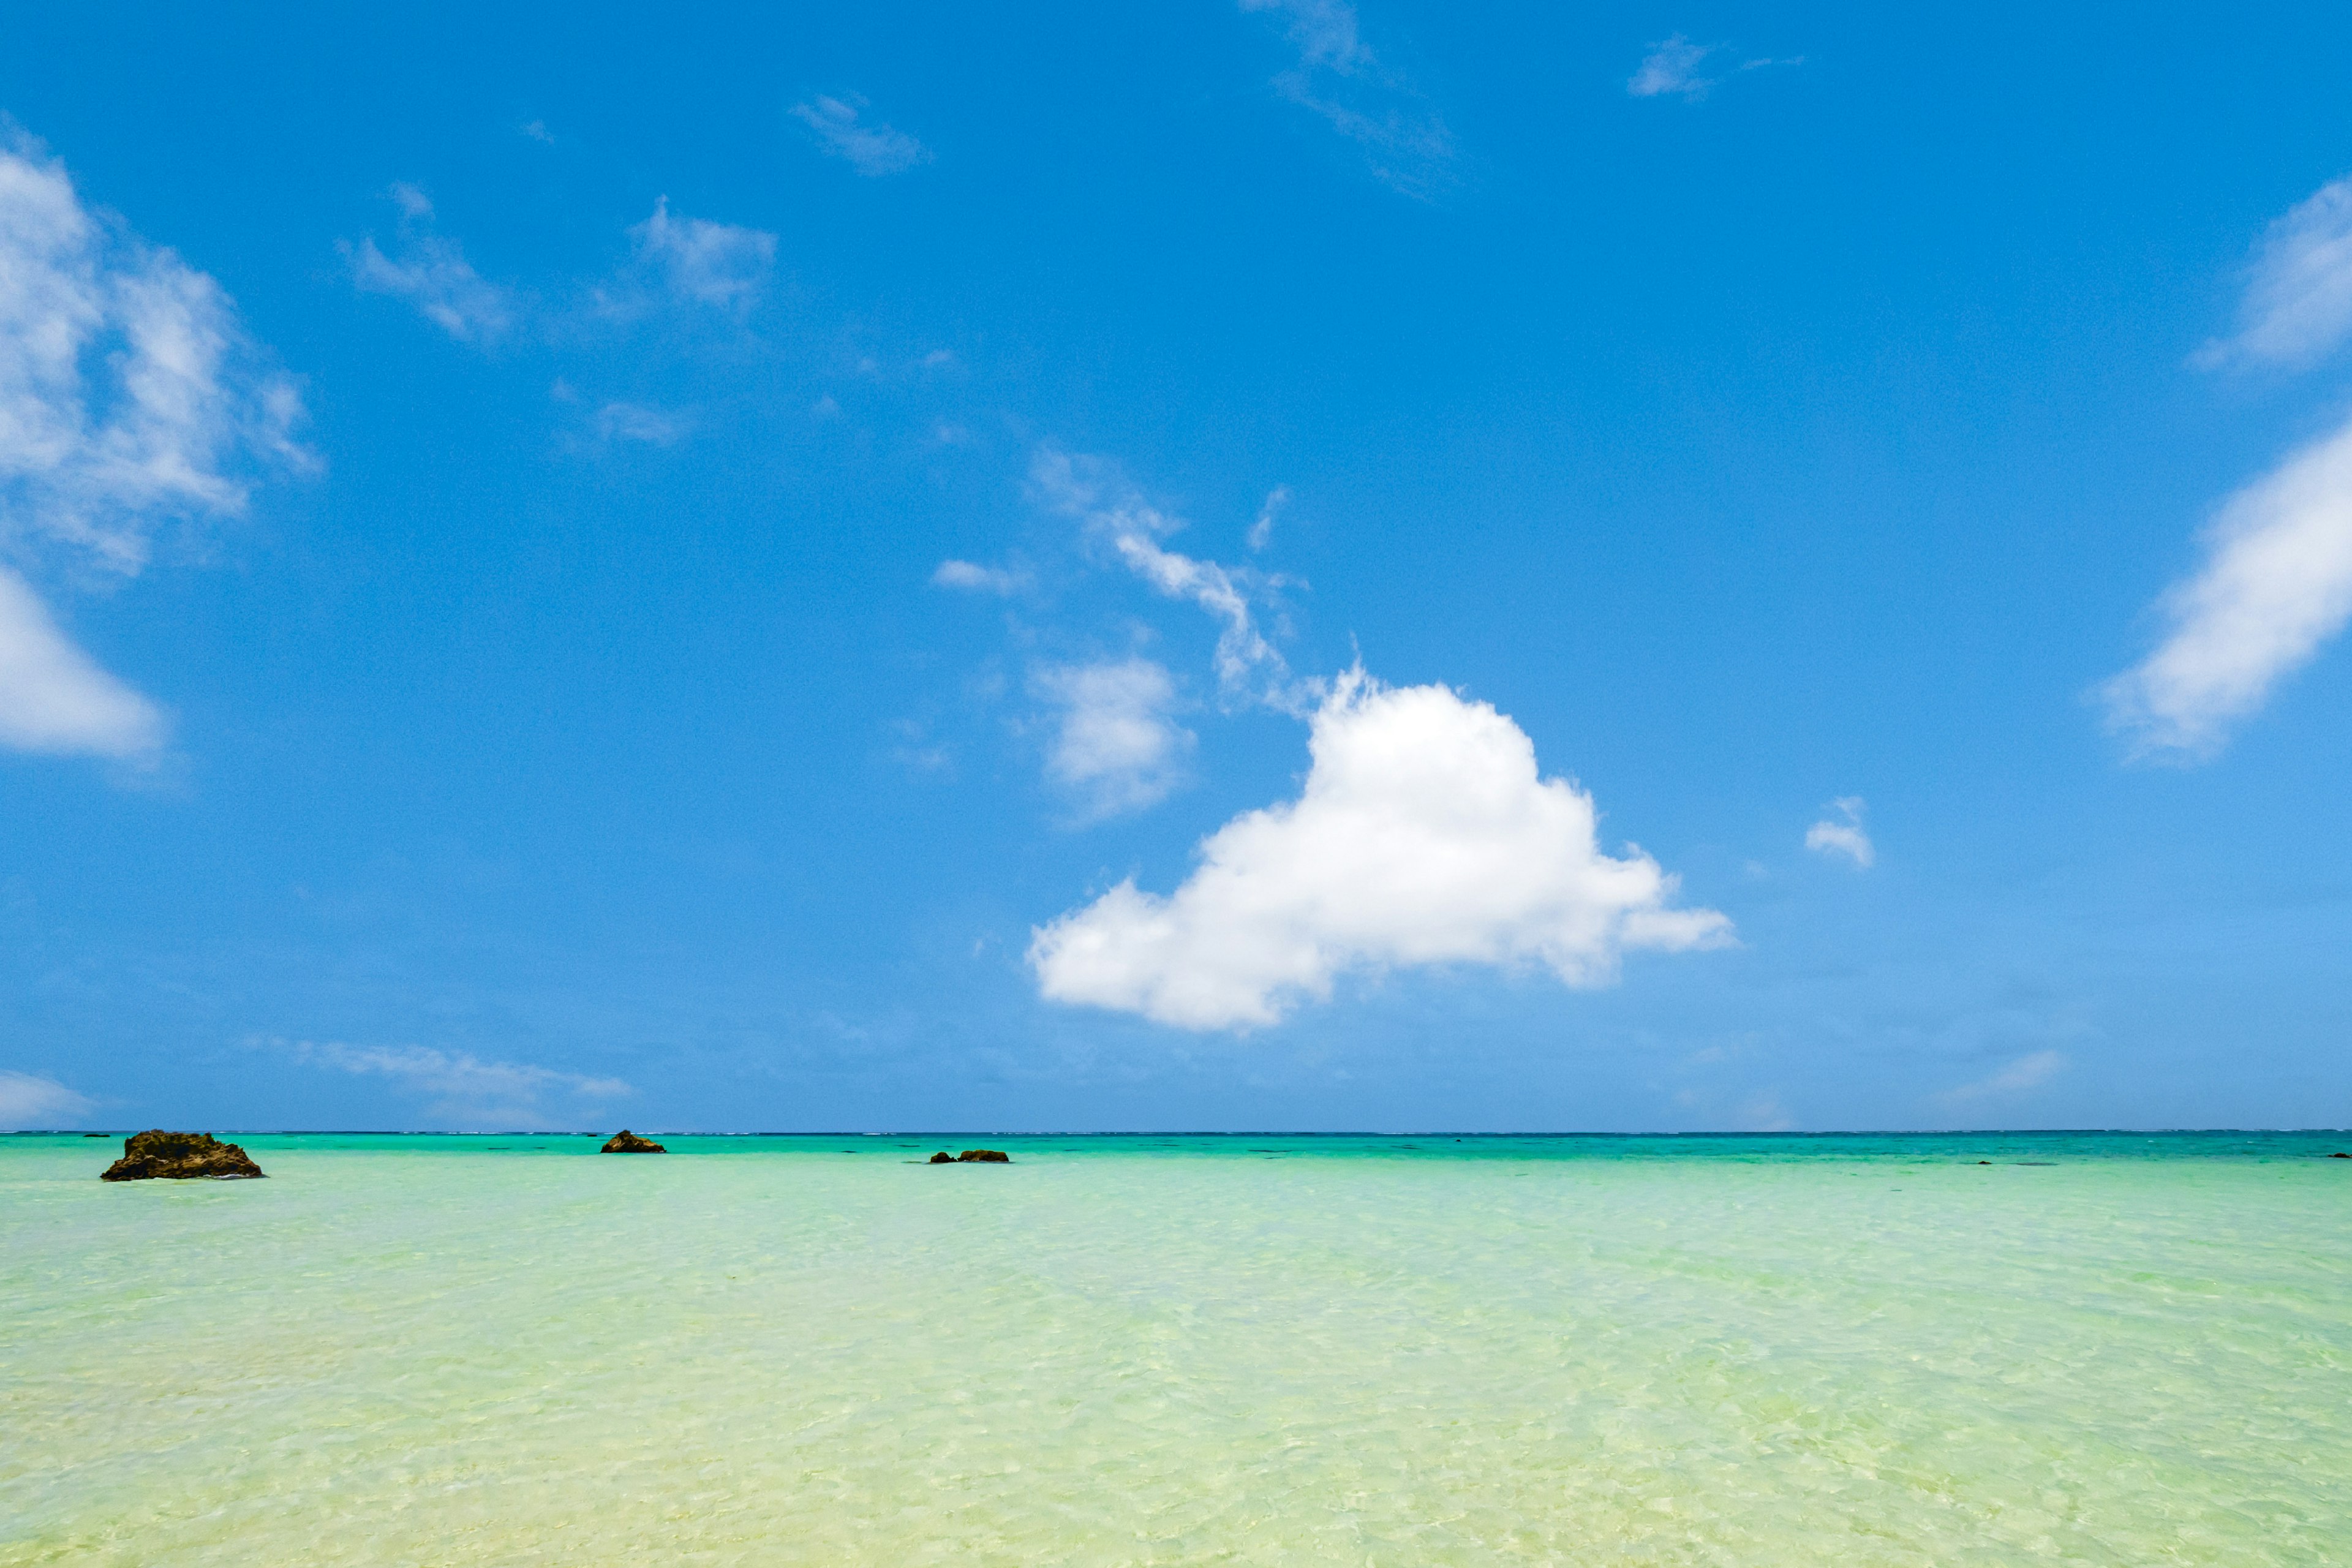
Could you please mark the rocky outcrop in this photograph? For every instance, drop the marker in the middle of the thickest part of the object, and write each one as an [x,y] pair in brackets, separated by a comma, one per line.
[984,1156]
[179,1157]
[943,1158]
[627,1142]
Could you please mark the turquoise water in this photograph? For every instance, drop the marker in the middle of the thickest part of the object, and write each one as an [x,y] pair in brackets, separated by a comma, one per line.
[2098,1349]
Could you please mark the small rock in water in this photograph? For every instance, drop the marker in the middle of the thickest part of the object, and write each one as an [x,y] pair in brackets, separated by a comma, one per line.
[941,1158]
[2340,1156]
[179,1156]
[97,1135]
[627,1142]
[984,1157]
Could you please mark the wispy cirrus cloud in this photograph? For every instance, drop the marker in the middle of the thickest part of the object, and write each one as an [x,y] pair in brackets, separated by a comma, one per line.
[641,421]
[2298,306]
[872,150]
[2276,586]
[431,273]
[673,260]
[462,1089]
[1261,533]
[28,1100]
[1405,143]
[1677,68]
[1111,509]
[704,263]
[132,400]
[55,699]
[2016,1078]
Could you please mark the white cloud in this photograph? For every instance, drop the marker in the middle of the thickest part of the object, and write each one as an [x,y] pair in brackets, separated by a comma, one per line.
[538,131]
[2298,301]
[1261,533]
[1406,146]
[636,422]
[1115,746]
[1324,30]
[29,1102]
[1424,834]
[129,395]
[131,399]
[431,273]
[704,262]
[2026,1072]
[459,1087]
[1672,66]
[55,699]
[871,150]
[1094,491]
[2276,585]
[974,578]
[1831,837]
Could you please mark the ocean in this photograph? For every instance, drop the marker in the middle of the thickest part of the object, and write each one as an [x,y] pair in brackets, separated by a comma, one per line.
[2090,1348]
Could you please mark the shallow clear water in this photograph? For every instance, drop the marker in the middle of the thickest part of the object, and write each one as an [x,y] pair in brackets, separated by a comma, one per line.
[1756,1351]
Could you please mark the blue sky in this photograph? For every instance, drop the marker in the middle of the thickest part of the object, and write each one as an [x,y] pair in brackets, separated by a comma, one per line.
[1272,565]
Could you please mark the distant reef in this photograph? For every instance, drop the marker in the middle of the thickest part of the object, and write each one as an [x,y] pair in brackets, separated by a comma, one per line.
[973,1157]
[627,1142]
[179,1157]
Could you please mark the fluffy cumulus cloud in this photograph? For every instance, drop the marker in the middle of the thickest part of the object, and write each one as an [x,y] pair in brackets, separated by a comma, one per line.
[1842,833]
[2275,586]
[130,400]
[1115,746]
[29,1102]
[872,150]
[702,262]
[463,1088]
[431,273]
[2298,299]
[1424,835]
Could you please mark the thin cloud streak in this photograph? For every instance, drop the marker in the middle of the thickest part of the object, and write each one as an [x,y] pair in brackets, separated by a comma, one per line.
[1094,491]
[1673,68]
[1406,146]
[460,1087]
[431,273]
[55,699]
[873,151]
[2276,586]
[27,1100]
[2298,306]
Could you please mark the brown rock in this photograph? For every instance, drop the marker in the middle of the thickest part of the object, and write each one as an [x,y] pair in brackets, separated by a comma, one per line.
[943,1158]
[627,1142]
[984,1156]
[179,1156]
